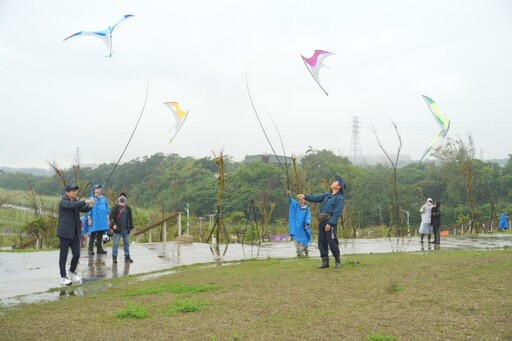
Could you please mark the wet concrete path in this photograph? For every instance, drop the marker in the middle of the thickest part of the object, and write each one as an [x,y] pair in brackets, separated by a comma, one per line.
[28,273]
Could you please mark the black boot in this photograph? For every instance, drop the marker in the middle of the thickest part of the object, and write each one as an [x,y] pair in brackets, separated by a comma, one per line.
[337,265]
[325,263]
[421,238]
[429,239]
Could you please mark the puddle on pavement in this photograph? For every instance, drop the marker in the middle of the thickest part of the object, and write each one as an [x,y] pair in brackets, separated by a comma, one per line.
[81,290]
[98,268]
[52,295]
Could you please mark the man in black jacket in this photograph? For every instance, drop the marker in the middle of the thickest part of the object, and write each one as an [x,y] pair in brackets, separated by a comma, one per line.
[69,231]
[435,217]
[121,220]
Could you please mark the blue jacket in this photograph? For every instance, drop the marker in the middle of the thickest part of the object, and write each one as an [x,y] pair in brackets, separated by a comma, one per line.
[299,222]
[69,217]
[331,204]
[504,221]
[99,215]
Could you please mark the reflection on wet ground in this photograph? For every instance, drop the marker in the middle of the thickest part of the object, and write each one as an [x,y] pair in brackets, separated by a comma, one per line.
[27,276]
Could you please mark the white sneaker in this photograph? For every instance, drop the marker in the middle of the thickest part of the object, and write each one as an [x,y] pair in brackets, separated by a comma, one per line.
[75,278]
[65,281]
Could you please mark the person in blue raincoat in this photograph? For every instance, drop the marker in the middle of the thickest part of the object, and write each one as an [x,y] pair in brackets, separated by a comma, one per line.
[503,221]
[331,210]
[96,221]
[299,222]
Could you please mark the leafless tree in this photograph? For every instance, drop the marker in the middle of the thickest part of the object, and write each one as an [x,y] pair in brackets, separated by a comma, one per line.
[397,210]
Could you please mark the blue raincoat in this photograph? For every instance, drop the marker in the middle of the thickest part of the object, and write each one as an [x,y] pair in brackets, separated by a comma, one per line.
[99,214]
[299,222]
[503,221]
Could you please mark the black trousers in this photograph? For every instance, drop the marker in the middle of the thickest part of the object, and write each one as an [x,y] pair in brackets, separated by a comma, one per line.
[65,244]
[98,237]
[328,240]
[437,235]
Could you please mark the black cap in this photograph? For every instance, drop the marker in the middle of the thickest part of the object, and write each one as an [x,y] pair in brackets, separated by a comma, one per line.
[123,194]
[343,186]
[70,188]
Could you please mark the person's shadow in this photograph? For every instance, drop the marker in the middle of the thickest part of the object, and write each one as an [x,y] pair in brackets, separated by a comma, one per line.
[429,246]
[96,267]
[72,292]
[115,269]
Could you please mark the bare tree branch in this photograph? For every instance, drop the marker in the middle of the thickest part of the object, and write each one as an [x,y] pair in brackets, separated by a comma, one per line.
[397,210]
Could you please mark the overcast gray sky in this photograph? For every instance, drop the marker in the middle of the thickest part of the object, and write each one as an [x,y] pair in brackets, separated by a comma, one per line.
[59,96]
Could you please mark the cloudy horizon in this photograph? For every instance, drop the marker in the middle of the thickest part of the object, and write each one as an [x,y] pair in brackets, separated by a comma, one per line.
[58,95]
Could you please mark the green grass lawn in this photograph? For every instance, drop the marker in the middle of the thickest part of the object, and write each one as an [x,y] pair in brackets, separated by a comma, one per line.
[441,295]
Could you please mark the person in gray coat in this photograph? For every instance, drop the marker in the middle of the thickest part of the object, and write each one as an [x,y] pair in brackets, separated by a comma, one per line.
[69,231]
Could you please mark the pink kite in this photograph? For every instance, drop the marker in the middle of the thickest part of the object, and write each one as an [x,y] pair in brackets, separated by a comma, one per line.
[314,63]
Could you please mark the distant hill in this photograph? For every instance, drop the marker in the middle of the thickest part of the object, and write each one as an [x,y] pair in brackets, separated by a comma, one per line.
[32,171]
[39,171]
[501,162]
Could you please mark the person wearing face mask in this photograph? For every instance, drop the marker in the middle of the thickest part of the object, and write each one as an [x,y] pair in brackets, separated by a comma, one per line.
[426,220]
[331,209]
[121,220]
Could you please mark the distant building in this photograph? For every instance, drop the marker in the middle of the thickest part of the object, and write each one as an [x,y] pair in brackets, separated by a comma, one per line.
[268,159]
[382,160]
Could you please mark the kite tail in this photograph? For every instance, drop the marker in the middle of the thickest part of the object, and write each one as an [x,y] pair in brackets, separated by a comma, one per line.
[179,128]
[316,80]
[283,168]
[134,129]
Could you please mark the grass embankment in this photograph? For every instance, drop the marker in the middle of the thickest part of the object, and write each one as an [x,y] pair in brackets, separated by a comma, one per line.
[12,220]
[443,295]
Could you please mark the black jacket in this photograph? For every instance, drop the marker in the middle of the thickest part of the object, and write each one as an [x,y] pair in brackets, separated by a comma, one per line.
[435,217]
[70,224]
[115,212]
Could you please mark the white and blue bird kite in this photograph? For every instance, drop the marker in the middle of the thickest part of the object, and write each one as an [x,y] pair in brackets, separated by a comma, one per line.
[105,35]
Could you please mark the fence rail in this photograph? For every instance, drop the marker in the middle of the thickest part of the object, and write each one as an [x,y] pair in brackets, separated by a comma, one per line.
[158,223]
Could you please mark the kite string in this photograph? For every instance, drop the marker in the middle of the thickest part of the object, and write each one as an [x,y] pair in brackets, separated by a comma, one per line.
[282,147]
[134,129]
[263,128]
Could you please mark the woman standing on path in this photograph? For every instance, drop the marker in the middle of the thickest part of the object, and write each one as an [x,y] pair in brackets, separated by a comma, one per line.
[331,210]
[426,226]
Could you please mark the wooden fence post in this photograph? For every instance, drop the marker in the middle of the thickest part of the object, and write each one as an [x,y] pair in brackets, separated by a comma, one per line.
[165,232]
[179,224]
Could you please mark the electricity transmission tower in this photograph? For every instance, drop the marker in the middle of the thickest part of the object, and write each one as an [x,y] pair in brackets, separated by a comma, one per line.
[355,145]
